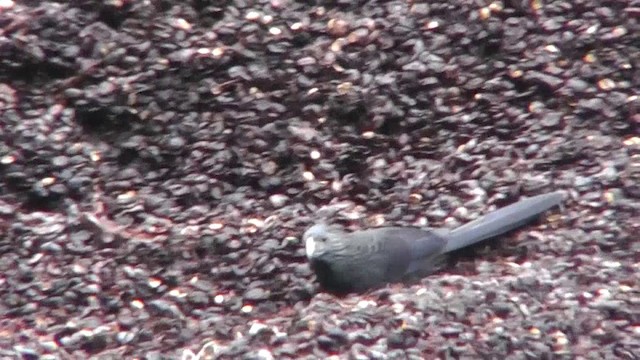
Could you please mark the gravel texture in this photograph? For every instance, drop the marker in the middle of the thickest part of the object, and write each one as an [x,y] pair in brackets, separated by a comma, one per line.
[159,161]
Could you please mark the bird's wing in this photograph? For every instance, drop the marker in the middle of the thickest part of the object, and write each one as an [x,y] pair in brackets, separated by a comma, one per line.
[401,247]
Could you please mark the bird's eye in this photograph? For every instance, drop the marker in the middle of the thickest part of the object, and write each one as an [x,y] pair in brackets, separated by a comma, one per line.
[317,239]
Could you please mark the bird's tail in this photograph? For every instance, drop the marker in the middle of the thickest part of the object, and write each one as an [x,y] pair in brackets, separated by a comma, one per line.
[501,220]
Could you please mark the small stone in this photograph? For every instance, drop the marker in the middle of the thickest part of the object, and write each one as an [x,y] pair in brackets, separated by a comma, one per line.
[255,294]
[60,161]
[278,200]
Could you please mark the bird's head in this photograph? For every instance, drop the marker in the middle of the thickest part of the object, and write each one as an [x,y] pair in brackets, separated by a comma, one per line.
[321,239]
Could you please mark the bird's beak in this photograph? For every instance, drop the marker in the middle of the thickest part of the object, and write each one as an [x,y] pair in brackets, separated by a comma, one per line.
[310,246]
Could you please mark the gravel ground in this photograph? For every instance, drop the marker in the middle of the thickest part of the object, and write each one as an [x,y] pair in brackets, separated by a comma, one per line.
[159,161]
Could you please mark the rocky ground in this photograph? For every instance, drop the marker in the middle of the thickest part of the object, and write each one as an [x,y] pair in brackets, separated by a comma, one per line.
[159,161]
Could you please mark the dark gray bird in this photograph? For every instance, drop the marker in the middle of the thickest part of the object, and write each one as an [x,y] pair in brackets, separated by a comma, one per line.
[356,261]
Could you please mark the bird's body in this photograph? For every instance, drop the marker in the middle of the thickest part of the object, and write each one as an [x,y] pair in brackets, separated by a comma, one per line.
[356,261]
[383,255]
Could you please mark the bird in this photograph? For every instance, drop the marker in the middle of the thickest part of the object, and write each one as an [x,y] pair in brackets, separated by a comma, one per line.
[347,262]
